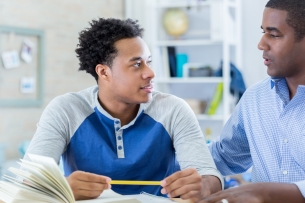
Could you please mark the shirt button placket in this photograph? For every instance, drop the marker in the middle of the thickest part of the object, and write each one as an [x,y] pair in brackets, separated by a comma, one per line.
[119,139]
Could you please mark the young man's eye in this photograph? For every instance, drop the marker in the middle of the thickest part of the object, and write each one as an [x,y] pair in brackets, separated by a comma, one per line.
[149,63]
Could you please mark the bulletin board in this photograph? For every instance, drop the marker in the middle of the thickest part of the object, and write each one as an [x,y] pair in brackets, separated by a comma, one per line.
[21,67]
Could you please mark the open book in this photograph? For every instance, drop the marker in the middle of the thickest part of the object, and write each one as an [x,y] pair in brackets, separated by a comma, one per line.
[44,182]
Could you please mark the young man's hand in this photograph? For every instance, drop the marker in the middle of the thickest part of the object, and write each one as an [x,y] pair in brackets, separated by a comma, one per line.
[87,185]
[258,193]
[188,184]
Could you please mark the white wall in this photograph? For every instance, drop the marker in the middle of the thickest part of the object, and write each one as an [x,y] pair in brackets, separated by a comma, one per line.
[61,22]
[253,68]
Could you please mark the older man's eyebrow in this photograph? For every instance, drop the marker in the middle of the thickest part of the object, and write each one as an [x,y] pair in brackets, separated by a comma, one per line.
[270,29]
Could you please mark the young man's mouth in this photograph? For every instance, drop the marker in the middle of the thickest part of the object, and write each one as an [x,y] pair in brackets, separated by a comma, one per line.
[148,88]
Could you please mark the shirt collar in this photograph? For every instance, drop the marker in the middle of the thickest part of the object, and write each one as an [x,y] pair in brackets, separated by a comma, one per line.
[105,113]
[282,89]
[275,80]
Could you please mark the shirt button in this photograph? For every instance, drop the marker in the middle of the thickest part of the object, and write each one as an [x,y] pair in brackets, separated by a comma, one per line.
[120,147]
[117,129]
[117,122]
[285,172]
[285,140]
[119,137]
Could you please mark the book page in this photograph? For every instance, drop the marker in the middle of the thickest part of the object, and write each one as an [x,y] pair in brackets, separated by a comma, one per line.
[22,186]
[12,192]
[36,183]
[109,196]
[41,173]
[151,198]
[123,199]
[53,169]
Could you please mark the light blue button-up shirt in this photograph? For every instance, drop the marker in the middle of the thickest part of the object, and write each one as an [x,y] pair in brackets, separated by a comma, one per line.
[266,131]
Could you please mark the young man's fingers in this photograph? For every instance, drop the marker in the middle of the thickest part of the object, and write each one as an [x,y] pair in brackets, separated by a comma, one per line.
[193,179]
[194,196]
[93,186]
[184,190]
[90,177]
[180,174]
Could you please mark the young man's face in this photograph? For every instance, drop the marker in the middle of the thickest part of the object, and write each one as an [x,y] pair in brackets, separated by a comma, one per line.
[131,75]
[283,56]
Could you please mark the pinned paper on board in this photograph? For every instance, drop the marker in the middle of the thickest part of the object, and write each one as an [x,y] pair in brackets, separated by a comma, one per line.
[27,85]
[10,59]
[27,50]
[23,48]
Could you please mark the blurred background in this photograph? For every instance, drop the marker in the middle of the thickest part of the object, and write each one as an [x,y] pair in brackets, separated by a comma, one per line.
[193,43]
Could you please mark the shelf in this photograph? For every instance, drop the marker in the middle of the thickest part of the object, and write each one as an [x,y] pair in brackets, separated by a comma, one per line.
[176,4]
[190,80]
[188,4]
[195,42]
[212,117]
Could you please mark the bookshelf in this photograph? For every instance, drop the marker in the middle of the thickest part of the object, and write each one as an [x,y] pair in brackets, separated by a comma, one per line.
[213,35]
[189,80]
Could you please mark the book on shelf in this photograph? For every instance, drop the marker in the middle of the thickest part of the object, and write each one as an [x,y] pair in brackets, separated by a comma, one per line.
[171,51]
[40,180]
[181,59]
[216,99]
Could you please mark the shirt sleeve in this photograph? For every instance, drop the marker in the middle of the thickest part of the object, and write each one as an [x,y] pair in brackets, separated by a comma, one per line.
[231,152]
[51,136]
[301,186]
[190,145]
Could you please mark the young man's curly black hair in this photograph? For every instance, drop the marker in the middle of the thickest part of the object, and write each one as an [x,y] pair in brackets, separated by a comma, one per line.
[96,44]
[295,14]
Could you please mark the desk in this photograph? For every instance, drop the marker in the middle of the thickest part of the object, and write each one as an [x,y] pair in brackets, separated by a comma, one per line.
[109,194]
[181,201]
[175,199]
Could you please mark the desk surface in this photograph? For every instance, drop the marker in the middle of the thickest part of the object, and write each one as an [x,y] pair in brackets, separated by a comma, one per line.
[181,201]
[175,199]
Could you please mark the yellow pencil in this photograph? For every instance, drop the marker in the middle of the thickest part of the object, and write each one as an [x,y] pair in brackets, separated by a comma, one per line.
[134,182]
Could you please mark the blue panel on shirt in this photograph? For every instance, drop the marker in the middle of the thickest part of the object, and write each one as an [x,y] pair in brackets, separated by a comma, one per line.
[149,152]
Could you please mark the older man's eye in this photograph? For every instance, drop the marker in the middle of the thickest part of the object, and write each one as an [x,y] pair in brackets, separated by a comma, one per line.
[137,64]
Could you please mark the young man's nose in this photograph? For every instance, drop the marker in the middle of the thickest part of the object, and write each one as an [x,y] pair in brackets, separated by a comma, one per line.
[148,72]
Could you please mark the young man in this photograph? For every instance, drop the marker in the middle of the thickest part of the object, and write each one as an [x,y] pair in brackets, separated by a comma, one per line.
[267,128]
[121,129]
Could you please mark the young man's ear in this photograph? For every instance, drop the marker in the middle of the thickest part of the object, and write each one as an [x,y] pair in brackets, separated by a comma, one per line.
[102,71]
